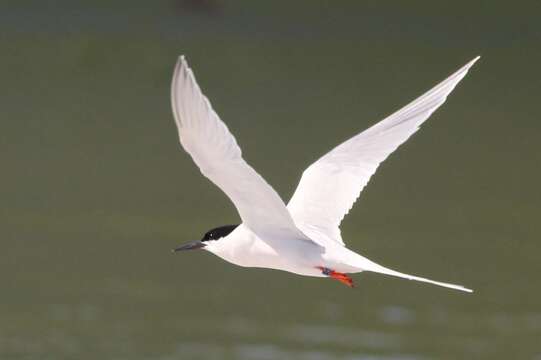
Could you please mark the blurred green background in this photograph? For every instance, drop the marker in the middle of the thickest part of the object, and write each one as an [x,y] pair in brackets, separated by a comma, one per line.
[95,190]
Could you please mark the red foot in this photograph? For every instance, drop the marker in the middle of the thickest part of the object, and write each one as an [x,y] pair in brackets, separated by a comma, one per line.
[343,278]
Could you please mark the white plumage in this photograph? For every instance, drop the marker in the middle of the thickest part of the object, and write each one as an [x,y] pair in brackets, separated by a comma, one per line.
[304,237]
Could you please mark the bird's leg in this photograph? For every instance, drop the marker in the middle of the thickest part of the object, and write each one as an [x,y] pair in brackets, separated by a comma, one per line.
[343,278]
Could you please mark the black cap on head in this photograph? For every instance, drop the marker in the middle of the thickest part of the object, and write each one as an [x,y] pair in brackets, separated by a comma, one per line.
[219,232]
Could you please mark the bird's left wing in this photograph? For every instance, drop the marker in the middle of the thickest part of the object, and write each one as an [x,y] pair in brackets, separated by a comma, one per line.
[214,149]
[330,186]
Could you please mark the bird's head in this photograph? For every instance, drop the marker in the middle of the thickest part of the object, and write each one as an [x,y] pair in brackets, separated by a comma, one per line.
[209,237]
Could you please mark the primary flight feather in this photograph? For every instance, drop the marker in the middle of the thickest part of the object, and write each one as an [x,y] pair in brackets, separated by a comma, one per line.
[304,237]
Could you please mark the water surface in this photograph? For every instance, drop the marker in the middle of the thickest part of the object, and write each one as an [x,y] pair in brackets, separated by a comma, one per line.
[95,190]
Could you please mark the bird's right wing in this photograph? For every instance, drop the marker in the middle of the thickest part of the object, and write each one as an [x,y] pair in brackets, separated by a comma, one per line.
[212,147]
[330,186]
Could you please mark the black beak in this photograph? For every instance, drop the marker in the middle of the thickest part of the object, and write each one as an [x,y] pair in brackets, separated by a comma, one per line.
[193,245]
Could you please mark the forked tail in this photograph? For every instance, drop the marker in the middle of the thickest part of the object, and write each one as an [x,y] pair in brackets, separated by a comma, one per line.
[382,270]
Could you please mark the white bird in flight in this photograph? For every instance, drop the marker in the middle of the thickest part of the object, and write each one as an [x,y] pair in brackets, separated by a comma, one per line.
[304,236]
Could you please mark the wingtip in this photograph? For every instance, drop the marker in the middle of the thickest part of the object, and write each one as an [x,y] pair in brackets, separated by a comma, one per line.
[182,61]
[470,64]
[181,67]
[464,69]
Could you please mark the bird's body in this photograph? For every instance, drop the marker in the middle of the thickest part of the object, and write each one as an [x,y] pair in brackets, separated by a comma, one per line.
[245,248]
[304,237]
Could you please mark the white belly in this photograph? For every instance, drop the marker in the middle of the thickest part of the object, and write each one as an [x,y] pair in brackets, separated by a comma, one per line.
[244,248]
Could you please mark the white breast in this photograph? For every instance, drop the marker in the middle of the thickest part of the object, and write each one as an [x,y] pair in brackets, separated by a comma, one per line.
[244,248]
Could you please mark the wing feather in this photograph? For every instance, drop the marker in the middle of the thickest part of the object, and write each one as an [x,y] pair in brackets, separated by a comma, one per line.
[214,149]
[330,186]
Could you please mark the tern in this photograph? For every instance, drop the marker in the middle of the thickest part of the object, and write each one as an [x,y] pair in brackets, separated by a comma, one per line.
[303,237]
